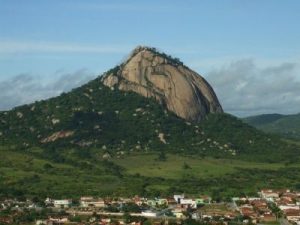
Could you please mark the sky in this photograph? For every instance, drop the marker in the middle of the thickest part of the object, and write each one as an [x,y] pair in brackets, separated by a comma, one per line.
[248,50]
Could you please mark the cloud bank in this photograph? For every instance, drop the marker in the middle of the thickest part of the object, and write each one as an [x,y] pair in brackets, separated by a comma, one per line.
[245,89]
[26,88]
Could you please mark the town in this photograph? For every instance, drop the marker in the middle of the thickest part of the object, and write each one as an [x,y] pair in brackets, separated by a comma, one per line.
[268,207]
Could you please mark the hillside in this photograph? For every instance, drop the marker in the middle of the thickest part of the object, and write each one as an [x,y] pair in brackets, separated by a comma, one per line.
[94,120]
[287,126]
[80,143]
[26,174]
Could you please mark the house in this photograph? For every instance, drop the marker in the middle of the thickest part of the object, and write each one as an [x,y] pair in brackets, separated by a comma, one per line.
[177,198]
[288,207]
[289,195]
[64,203]
[186,202]
[268,217]
[92,202]
[203,200]
[136,223]
[59,220]
[285,201]
[253,199]
[247,210]
[283,191]
[292,214]
[48,202]
[260,205]
[44,222]
[139,201]
[178,213]
[150,213]
[269,194]
[172,201]
[106,220]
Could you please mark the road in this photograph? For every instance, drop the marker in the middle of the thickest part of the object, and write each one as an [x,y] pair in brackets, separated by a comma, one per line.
[89,213]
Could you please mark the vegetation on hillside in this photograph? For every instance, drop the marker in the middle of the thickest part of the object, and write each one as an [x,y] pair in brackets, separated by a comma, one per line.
[28,174]
[94,120]
[287,126]
[70,146]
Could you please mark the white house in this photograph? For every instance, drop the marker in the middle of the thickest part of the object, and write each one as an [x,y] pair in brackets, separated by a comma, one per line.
[149,213]
[287,207]
[48,201]
[188,202]
[269,194]
[41,222]
[90,201]
[64,203]
[177,198]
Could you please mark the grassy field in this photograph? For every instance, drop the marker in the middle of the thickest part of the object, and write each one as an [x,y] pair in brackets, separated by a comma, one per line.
[23,173]
[39,176]
[290,141]
[173,167]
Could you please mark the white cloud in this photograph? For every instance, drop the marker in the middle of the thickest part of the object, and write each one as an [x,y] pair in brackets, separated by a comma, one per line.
[25,88]
[245,89]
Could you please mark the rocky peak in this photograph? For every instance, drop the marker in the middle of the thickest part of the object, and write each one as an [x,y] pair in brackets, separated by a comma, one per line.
[151,73]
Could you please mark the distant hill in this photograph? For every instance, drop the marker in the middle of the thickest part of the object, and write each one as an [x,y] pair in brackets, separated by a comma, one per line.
[285,125]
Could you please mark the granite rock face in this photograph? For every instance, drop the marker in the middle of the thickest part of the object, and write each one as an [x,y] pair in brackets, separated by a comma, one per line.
[154,74]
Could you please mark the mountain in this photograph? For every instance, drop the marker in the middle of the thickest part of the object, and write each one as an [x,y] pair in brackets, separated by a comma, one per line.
[285,125]
[111,120]
[102,139]
[154,74]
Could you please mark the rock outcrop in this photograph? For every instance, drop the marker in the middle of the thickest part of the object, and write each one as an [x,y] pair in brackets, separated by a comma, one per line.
[154,74]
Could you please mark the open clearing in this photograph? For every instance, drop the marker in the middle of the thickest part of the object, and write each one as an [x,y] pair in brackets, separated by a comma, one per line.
[173,167]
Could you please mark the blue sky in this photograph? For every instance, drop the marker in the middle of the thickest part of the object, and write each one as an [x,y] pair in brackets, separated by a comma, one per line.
[43,42]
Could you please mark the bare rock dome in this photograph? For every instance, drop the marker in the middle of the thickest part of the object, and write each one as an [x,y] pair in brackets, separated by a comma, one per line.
[154,74]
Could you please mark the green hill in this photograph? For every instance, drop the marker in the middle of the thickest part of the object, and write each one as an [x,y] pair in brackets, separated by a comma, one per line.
[92,140]
[26,174]
[94,120]
[287,126]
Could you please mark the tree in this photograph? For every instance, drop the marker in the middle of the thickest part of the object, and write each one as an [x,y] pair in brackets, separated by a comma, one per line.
[47,166]
[162,156]
[186,166]
[127,217]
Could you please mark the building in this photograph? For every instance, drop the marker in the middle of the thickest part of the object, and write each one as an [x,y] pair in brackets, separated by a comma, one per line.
[288,207]
[178,213]
[186,202]
[64,203]
[92,202]
[268,217]
[292,215]
[177,198]
[269,194]
[203,200]
[149,213]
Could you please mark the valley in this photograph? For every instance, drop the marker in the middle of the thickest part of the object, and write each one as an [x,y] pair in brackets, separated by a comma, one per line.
[27,174]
